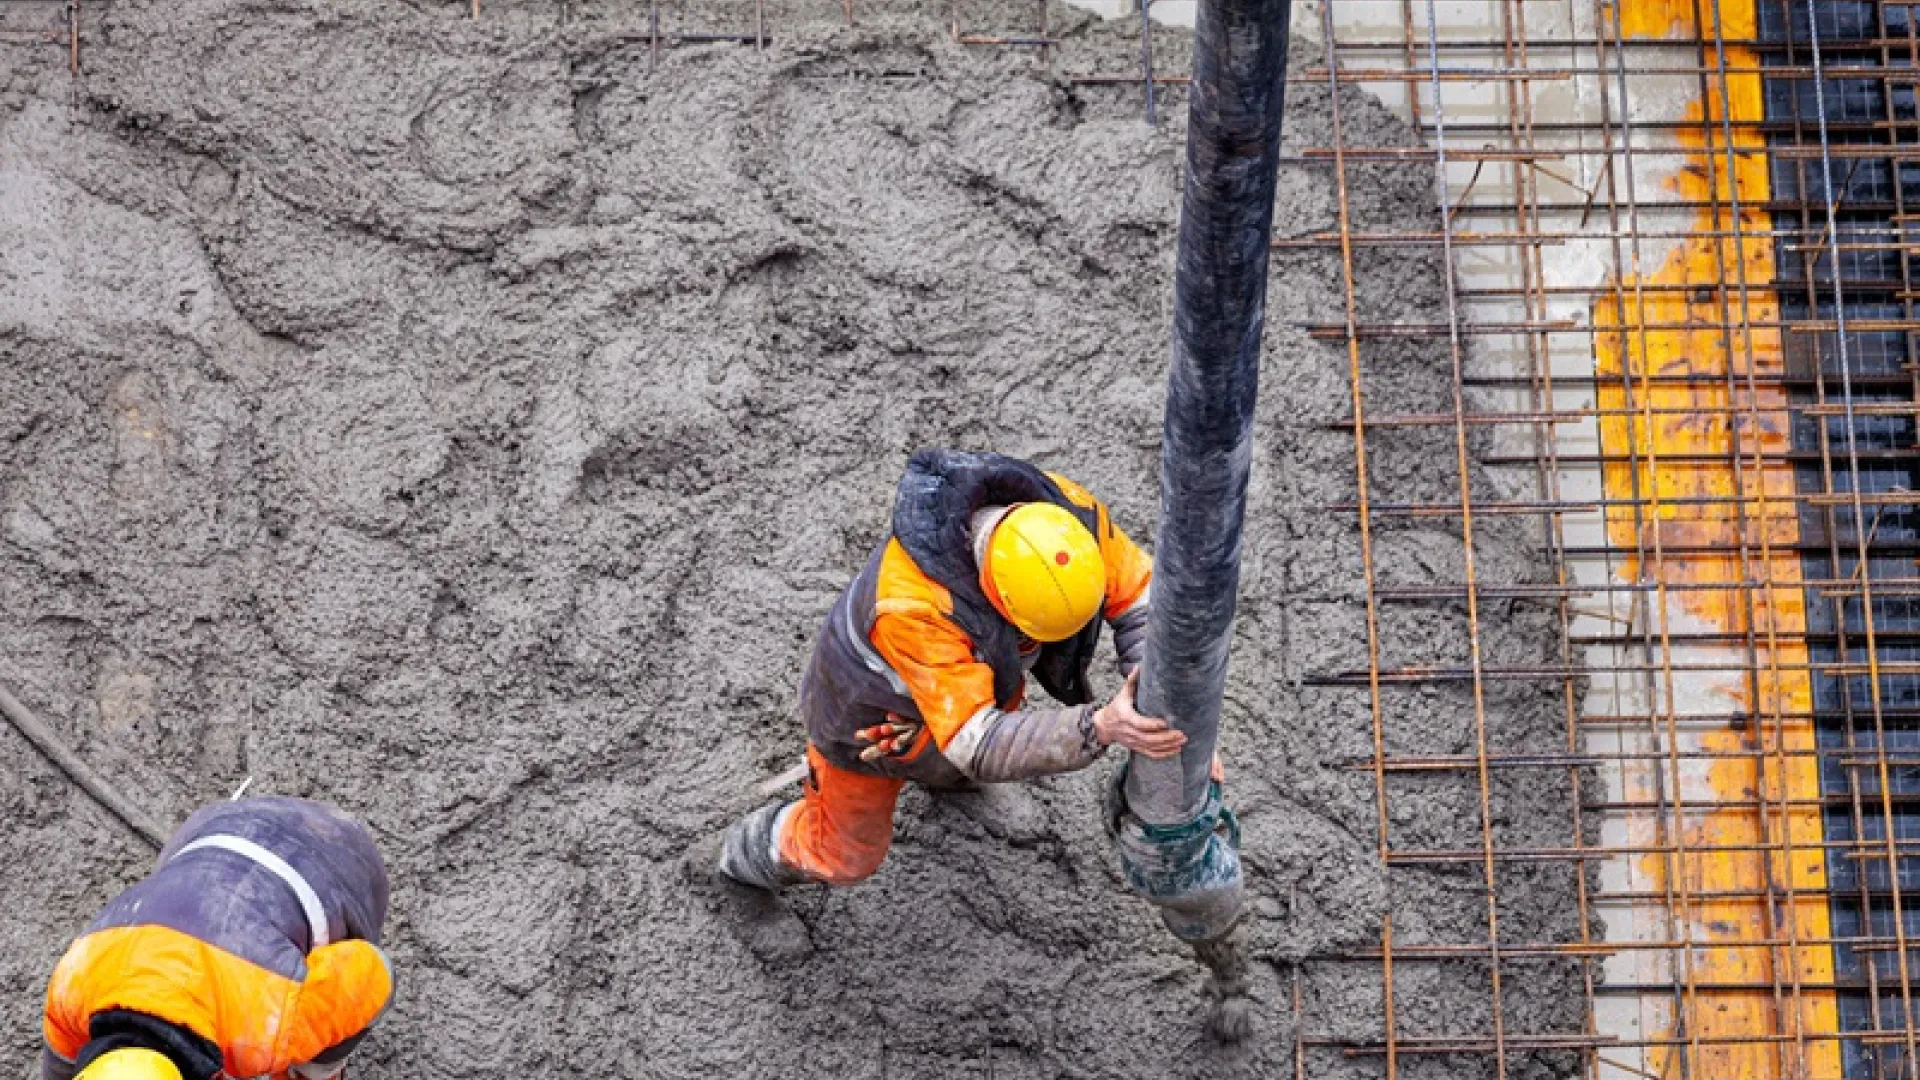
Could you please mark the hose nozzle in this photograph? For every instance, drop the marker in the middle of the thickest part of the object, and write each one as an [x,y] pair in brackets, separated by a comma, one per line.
[1190,871]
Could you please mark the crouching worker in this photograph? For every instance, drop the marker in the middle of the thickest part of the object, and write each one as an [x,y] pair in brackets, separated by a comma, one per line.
[993,569]
[252,950]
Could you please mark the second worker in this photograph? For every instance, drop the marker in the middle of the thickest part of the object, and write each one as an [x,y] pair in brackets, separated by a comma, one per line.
[993,569]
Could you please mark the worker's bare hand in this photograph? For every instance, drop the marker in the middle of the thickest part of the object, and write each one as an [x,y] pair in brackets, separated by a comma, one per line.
[1119,724]
[893,738]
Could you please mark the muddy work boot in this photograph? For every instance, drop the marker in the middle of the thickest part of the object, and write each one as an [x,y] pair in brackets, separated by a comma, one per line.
[751,875]
[750,852]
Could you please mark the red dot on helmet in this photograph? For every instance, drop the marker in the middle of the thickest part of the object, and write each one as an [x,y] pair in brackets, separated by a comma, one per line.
[1062,558]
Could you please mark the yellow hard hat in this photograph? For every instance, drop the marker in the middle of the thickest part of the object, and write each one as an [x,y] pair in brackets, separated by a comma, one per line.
[1044,572]
[130,1063]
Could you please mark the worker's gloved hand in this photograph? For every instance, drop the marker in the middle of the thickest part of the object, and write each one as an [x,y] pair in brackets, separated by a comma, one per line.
[895,738]
[1117,723]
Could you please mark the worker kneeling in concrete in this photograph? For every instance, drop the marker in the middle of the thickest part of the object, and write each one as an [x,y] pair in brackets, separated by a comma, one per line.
[993,569]
[252,950]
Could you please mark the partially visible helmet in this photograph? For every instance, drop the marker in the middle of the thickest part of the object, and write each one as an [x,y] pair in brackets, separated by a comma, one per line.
[1043,571]
[130,1063]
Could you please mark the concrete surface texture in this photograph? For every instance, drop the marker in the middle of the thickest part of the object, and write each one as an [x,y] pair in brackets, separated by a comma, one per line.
[466,422]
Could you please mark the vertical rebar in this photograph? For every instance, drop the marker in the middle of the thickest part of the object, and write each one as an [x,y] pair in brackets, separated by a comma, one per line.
[1413,61]
[1363,484]
[1799,1064]
[1046,50]
[1662,699]
[1146,60]
[1463,465]
[1539,354]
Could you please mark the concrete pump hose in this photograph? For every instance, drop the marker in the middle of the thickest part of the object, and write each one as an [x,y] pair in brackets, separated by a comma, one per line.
[1178,843]
[1219,309]
[1175,835]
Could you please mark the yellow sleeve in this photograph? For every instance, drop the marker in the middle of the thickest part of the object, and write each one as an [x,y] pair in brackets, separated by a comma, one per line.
[348,986]
[1129,570]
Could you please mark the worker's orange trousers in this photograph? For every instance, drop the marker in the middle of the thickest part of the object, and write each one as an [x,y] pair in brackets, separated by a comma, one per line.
[840,830]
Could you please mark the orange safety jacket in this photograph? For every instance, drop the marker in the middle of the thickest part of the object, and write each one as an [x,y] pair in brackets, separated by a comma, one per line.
[251,949]
[915,635]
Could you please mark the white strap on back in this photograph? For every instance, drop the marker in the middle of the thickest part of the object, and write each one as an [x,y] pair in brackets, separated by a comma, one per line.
[309,900]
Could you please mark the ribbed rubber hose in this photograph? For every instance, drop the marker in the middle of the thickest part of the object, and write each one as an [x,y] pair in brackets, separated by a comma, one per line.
[1220,294]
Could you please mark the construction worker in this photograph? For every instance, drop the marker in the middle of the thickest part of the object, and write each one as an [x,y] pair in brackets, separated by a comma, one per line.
[252,950]
[993,569]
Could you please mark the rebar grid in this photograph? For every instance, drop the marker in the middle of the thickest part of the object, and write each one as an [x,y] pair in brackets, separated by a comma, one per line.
[1683,308]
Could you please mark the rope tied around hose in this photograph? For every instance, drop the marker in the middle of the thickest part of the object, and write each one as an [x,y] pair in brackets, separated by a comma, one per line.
[1190,871]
